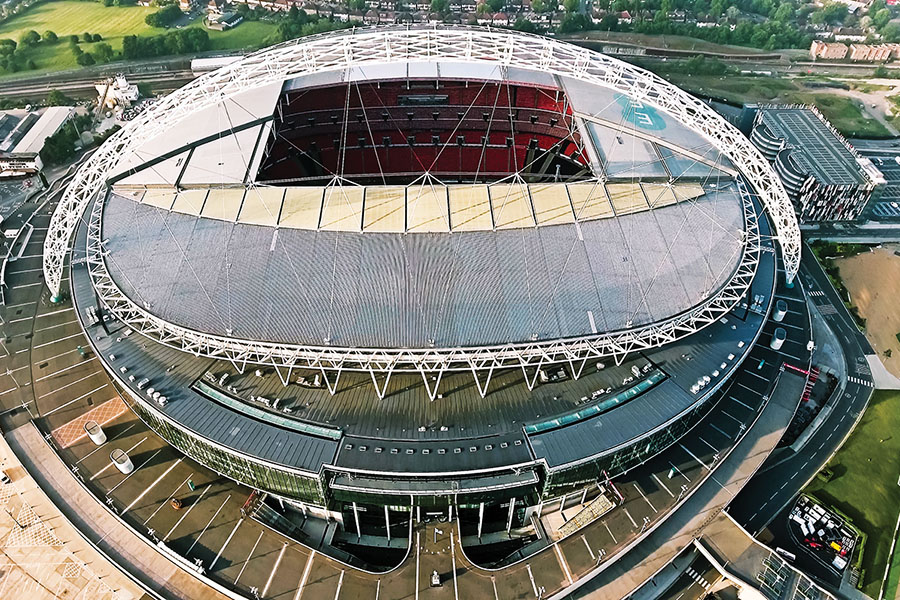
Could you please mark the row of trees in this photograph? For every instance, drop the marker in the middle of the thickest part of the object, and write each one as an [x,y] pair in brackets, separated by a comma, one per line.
[297,23]
[180,41]
[164,17]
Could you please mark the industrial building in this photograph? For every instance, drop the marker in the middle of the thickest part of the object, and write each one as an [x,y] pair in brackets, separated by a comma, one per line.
[823,174]
[22,136]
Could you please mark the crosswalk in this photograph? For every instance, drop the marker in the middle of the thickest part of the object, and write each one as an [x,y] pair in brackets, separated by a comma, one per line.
[698,578]
[859,381]
[817,293]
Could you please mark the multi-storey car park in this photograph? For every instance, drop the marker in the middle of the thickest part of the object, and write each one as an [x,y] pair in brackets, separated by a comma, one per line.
[453,269]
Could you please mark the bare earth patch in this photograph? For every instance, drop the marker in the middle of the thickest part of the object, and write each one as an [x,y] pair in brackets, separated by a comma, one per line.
[873,279]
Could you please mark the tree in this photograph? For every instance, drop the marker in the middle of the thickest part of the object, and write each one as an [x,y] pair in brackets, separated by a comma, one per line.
[496,5]
[784,13]
[164,16]
[87,37]
[31,65]
[440,6]
[7,47]
[73,39]
[97,38]
[525,25]
[539,6]
[609,22]
[571,5]
[732,13]
[57,98]
[85,59]
[50,37]
[103,51]
[30,38]
[880,18]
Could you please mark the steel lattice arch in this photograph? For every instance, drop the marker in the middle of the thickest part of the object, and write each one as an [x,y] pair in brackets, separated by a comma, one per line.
[334,52]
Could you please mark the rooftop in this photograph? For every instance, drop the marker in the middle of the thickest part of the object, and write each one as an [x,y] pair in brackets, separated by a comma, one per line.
[815,145]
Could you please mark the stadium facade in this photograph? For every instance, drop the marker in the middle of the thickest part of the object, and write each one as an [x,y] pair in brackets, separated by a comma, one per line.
[430,267]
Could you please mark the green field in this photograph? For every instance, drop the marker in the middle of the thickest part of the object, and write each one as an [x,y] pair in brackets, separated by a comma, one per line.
[843,112]
[866,470]
[67,17]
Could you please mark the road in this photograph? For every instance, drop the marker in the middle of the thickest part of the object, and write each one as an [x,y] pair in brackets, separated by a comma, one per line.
[795,470]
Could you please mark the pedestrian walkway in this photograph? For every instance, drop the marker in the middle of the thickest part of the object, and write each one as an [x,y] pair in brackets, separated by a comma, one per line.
[41,555]
[110,535]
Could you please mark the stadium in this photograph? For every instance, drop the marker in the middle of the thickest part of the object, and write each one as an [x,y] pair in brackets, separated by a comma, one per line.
[424,267]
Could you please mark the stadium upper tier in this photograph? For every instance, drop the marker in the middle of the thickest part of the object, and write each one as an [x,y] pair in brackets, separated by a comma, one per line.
[425,200]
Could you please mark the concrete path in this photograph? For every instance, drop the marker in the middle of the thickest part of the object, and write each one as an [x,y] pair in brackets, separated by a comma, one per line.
[118,542]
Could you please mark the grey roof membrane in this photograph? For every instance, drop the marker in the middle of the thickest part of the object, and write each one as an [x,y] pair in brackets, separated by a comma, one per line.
[389,290]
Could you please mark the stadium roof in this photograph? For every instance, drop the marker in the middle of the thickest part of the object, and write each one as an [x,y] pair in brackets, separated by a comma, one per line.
[386,279]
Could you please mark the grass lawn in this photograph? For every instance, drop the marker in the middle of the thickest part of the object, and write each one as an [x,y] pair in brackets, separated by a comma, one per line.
[865,487]
[67,17]
[735,89]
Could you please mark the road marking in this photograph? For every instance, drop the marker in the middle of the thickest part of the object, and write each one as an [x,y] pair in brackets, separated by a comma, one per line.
[563,563]
[222,549]
[745,405]
[453,558]
[494,583]
[188,511]
[275,568]
[609,531]
[88,455]
[588,546]
[69,384]
[644,496]
[694,456]
[57,325]
[64,369]
[677,470]
[630,518]
[216,514]
[733,418]
[101,471]
[19,320]
[337,592]
[68,337]
[305,575]
[417,565]
[662,485]
[20,304]
[167,500]
[714,449]
[152,485]
[26,285]
[58,408]
[531,577]
[136,469]
[713,425]
[253,549]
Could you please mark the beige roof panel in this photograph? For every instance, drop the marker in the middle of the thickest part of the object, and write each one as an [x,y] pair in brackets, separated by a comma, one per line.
[160,198]
[659,194]
[342,208]
[426,209]
[626,198]
[302,207]
[262,205]
[190,202]
[511,205]
[551,203]
[223,203]
[590,201]
[385,209]
[470,208]
[687,191]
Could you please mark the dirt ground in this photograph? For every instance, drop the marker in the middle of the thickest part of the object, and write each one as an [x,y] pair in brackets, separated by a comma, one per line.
[873,279]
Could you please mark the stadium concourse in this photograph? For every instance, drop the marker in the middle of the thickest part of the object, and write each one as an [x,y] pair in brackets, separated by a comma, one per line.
[444,306]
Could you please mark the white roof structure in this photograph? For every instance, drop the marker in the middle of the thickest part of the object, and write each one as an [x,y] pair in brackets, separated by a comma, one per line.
[353,166]
[48,124]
